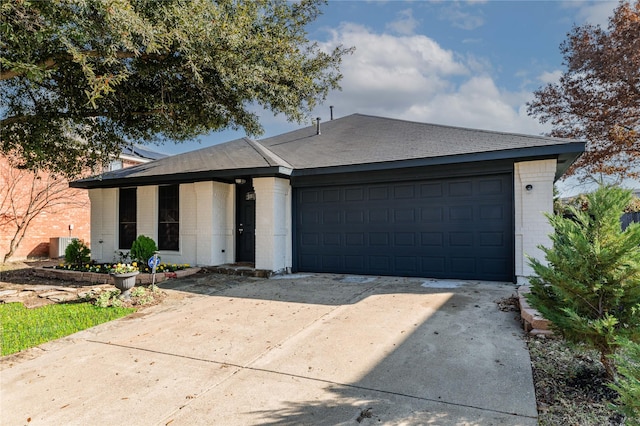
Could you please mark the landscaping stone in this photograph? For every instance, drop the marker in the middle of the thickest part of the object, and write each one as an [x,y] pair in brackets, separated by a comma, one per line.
[532,321]
[78,285]
[90,278]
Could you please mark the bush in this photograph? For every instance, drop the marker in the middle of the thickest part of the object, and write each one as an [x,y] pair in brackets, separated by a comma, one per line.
[590,288]
[142,249]
[628,384]
[77,253]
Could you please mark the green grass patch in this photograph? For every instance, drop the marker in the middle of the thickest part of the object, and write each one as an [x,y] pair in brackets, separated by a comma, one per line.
[22,328]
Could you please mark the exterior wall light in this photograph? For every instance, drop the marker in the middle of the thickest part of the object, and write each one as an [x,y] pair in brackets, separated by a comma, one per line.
[529,187]
[240,181]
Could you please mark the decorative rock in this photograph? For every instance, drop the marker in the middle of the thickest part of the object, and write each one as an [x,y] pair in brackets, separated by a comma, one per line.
[49,294]
[533,321]
[7,292]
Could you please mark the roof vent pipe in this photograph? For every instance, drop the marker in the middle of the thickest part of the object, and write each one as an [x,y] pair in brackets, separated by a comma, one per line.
[318,126]
[331,108]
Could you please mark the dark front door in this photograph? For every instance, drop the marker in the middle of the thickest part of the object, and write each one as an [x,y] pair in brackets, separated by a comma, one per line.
[245,222]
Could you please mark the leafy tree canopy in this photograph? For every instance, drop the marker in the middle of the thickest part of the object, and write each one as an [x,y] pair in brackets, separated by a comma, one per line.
[80,79]
[598,96]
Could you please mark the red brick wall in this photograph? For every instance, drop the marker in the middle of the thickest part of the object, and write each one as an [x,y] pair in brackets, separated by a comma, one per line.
[52,222]
[71,208]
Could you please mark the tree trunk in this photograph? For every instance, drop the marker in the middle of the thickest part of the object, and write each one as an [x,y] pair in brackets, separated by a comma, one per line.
[609,365]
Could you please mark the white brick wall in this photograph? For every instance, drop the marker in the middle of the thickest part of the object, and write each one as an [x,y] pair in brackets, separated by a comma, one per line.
[207,221]
[273,223]
[214,236]
[189,228]
[104,224]
[531,226]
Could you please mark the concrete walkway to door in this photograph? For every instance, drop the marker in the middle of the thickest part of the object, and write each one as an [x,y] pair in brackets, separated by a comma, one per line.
[300,349]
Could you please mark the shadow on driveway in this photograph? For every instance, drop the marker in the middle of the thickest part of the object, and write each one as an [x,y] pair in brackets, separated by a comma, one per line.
[315,349]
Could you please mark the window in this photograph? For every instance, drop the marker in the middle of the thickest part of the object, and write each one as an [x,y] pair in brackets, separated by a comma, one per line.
[115,165]
[127,218]
[168,217]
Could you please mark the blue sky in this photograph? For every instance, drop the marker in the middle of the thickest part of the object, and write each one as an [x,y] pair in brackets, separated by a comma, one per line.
[461,63]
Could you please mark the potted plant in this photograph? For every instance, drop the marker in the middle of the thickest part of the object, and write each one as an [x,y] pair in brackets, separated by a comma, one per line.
[124,277]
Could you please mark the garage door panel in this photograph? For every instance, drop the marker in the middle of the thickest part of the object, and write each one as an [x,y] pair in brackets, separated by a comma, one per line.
[433,239]
[461,189]
[379,239]
[310,218]
[354,217]
[332,262]
[404,239]
[433,265]
[493,266]
[379,264]
[406,264]
[330,195]
[463,265]
[461,239]
[460,213]
[354,239]
[378,216]
[491,239]
[492,212]
[490,187]
[430,190]
[354,262]
[332,239]
[404,215]
[310,239]
[352,194]
[446,228]
[378,193]
[330,217]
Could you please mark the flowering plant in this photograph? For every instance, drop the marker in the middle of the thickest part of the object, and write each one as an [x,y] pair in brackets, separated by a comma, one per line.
[124,268]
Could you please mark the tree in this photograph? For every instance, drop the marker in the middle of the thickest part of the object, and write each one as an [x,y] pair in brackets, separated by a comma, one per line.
[25,195]
[590,287]
[598,96]
[82,78]
[628,384]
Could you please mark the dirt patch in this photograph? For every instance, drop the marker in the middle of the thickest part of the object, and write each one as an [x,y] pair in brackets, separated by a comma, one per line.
[571,385]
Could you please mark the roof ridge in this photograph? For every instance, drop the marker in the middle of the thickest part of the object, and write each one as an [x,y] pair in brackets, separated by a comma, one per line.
[270,157]
[470,129]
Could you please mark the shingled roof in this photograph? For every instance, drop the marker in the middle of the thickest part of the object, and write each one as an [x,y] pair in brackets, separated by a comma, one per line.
[353,143]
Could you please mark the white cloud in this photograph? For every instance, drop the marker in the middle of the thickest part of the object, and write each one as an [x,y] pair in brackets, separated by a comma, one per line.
[414,78]
[550,76]
[596,13]
[405,24]
[461,19]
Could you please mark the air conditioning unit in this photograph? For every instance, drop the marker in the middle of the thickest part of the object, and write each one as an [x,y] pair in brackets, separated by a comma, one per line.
[58,245]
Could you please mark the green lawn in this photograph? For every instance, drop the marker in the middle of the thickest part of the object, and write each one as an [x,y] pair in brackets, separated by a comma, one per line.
[22,328]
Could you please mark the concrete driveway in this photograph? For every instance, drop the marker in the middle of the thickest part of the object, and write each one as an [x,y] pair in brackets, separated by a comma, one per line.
[302,349]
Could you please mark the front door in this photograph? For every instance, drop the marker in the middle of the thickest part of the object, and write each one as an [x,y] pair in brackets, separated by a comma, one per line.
[245,222]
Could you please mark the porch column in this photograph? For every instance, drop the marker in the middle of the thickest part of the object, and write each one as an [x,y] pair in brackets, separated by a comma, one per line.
[533,191]
[104,224]
[273,223]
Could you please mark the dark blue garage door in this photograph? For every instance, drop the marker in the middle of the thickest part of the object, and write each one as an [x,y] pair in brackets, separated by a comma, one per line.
[446,228]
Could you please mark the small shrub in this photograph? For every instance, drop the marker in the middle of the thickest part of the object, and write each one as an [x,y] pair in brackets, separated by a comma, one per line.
[108,298]
[77,253]
[628,383]
[142,249]
[590,287]
[121,257]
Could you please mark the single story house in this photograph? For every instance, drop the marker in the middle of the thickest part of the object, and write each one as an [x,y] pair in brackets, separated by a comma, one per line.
[359,195]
